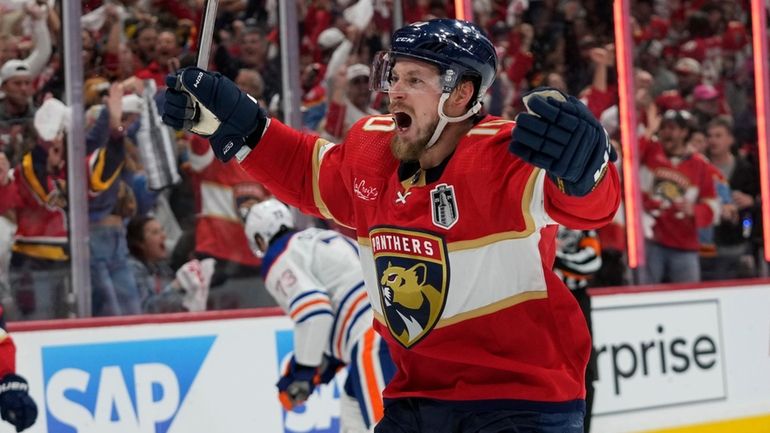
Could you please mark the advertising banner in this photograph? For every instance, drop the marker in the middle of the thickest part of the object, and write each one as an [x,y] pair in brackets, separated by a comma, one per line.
[667,359]
[678,358]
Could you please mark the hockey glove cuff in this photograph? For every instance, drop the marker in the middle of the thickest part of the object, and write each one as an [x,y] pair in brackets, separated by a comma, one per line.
[560,135]
[212,106]
[16,406]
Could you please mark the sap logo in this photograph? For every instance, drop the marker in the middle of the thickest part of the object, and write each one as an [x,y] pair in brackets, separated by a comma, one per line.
[127,387]
[321,412]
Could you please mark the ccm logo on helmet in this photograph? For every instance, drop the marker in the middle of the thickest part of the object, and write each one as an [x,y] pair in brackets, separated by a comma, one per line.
[405,39]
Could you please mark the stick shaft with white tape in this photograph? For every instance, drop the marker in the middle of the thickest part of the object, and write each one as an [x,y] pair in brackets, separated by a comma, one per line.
[207,32]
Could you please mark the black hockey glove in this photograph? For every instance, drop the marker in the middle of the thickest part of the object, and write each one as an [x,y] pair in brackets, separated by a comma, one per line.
[329,368]
[297,383]
[212,106]
[16,406]
[560,135]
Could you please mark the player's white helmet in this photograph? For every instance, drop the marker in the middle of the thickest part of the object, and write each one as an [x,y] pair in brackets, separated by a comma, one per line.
[265,219]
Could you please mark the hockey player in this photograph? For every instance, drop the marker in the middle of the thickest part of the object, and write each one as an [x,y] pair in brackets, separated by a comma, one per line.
[315,277]
[455,214]
[16,406]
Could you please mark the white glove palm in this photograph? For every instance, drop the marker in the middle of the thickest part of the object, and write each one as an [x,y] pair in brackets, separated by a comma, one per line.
[194,278]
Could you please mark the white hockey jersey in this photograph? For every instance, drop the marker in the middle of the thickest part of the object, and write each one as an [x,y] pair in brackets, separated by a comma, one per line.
[315,277]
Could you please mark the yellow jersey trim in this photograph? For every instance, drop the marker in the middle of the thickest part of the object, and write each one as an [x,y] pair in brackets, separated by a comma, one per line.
[49,252]
[319,202]
[529,221]
[492,308]
[32,180]
[482,311]
[97,185]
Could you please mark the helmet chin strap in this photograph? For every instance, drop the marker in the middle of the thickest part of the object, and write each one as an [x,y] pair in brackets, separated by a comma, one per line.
[444,119]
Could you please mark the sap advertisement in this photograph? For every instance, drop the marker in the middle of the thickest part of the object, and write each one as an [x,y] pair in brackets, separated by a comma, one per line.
[666,359]
[198,376]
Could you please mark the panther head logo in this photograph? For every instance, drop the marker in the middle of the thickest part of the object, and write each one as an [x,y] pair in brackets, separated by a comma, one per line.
[415,303]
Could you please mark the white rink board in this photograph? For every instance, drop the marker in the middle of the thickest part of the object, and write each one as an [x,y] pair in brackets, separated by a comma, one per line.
[716,352]
[218,376]
[215,376]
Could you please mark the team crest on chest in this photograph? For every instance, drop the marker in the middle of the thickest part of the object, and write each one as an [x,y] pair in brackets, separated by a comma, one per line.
[444,206]
[413,280]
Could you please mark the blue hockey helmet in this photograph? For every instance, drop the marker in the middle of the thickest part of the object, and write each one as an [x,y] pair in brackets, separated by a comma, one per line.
[458,48]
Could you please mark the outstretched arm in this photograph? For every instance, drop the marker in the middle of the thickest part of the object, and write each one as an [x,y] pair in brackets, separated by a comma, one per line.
[560,135]
[300,169]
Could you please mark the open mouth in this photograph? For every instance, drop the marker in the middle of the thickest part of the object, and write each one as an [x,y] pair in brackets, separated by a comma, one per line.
[403,120]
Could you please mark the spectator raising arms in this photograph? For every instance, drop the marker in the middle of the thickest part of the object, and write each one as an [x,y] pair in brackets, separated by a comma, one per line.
[34,195]
[678,197]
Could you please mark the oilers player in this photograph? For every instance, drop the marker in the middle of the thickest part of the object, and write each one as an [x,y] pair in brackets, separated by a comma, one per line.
[16,406]
[314,275]
[455,213]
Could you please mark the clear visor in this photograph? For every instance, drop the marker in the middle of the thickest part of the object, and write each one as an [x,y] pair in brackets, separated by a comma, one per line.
[410,77]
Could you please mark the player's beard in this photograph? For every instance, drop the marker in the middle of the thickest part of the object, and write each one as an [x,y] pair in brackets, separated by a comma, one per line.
[411,150]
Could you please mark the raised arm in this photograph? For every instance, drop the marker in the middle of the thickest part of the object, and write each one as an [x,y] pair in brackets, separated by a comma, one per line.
[40,55]
[560,135]
[300,169]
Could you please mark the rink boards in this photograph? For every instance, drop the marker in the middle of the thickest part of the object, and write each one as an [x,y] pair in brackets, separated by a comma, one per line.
[679,359]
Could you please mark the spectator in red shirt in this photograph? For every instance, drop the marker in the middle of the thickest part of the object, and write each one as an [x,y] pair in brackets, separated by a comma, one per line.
[165,58]
[679,197]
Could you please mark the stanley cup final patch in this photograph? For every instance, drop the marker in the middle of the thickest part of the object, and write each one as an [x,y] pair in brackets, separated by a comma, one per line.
[444,206]
[413,280]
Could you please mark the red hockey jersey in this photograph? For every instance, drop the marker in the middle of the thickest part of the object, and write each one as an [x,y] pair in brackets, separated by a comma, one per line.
[668,186]
[40,215]
[218,188]
[457,260]
[39,200]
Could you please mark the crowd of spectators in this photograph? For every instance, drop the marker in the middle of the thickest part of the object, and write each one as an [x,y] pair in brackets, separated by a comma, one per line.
[161,206]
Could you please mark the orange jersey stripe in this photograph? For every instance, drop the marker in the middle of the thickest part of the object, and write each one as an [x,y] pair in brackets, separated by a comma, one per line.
[371,381]
[592,243]
[305,307]
[359,299]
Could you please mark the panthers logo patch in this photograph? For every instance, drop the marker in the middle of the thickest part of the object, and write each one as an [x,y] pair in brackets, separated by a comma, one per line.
[413,279]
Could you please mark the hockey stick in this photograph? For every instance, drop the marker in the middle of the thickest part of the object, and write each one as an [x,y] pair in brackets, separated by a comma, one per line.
[207,32]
